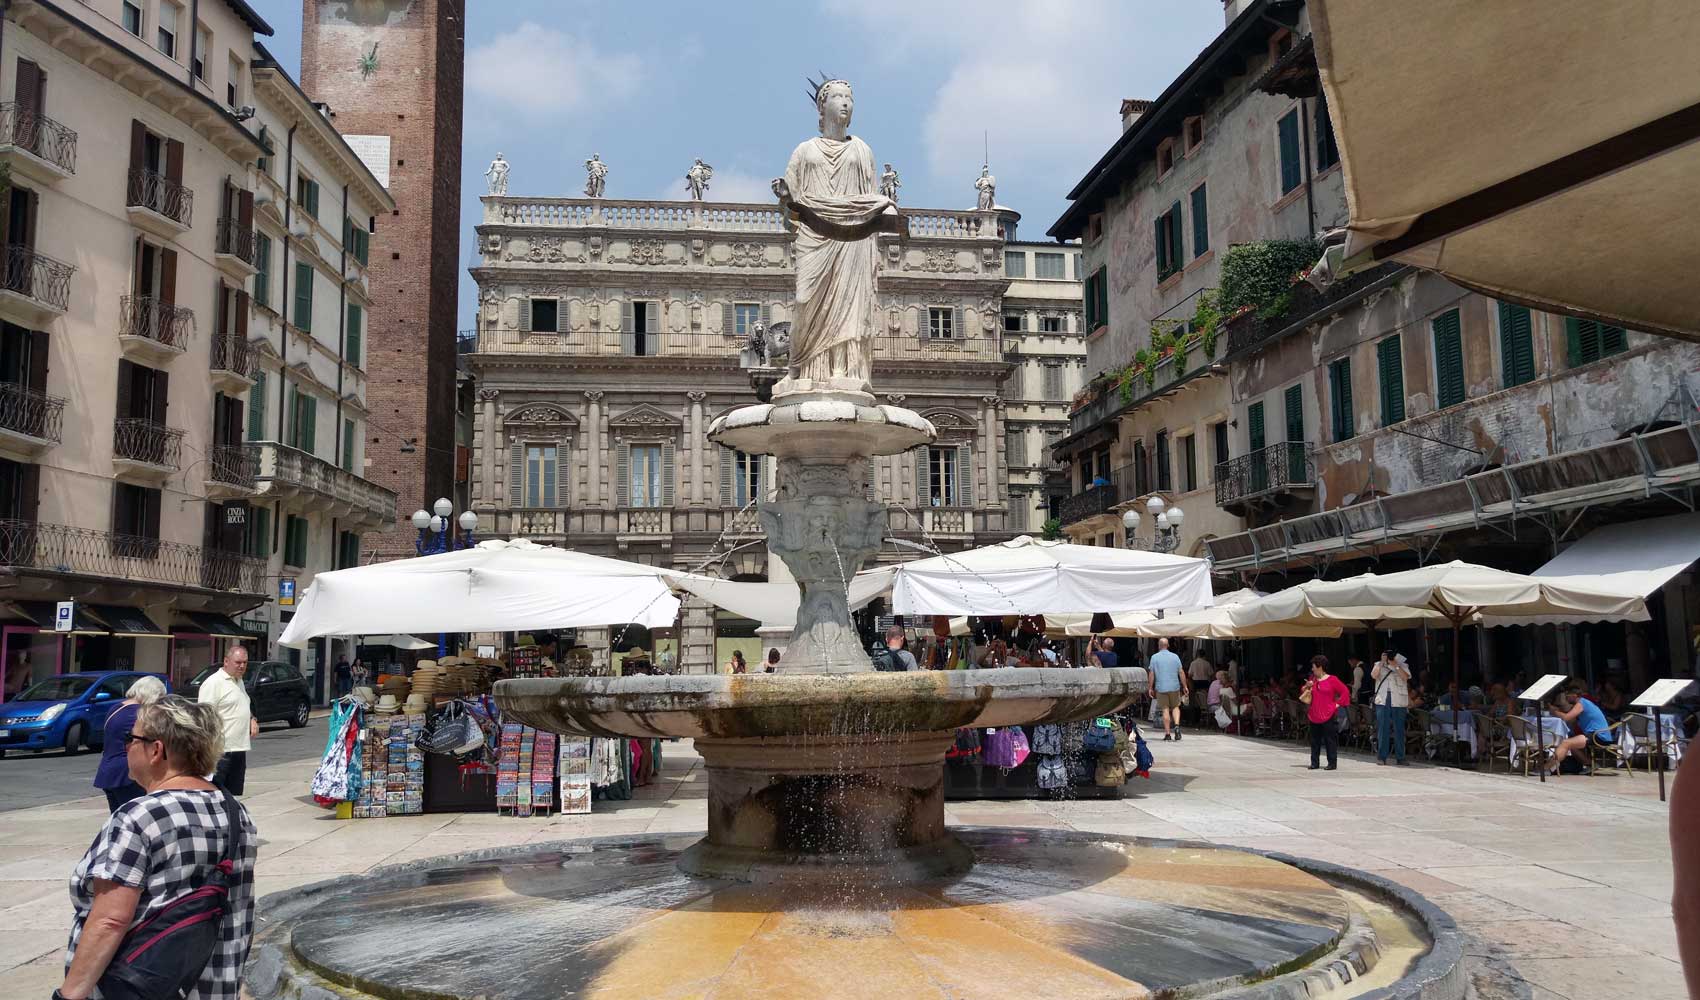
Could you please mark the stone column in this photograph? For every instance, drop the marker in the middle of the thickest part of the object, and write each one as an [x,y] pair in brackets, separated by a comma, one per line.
[989,434]
[488,445]
[698,451]
[696,637]
[593,442]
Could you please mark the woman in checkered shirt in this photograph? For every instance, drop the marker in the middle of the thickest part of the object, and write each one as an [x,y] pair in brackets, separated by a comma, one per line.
[160,847]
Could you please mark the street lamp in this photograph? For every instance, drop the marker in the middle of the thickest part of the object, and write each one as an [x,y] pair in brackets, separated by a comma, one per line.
[435,530]
[1166,521]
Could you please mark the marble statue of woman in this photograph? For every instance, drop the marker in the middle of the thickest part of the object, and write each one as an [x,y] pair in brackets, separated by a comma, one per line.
[987,186]
[497,175]
[830,193]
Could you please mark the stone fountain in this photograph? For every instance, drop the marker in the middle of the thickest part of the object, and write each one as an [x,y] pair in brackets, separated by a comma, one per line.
[827,866]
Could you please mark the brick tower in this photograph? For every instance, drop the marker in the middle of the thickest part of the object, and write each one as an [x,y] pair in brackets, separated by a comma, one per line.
[391,71]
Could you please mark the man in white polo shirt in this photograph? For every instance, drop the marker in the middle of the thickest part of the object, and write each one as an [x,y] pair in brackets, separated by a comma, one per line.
[224,691]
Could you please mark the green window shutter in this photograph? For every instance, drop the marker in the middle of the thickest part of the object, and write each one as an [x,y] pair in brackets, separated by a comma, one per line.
[313,199]
[1295,403]
[1289,142]
[1516,345]
[1254,426]
[348,446]
[304,297]
[1160,236]
[352,344]
[516,474]
[623,475]
[1392,370]
[1612,340]
[923,477]
[257,408]
[667,474]
[1177,250]
[1340,391]
[728,468]
[263,270]
[1448,360]
[964,476]
[312,410]
[1200,222]
[1103,297]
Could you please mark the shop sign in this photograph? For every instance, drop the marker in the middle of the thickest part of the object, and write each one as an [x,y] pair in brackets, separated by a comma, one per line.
[286,591]
[235,514]
[63,615]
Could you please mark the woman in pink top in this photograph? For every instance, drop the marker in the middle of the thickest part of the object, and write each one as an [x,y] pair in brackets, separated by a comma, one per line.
[1326,696]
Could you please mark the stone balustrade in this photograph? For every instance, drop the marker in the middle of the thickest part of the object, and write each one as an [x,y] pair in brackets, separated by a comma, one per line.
[644,215]
[290,472]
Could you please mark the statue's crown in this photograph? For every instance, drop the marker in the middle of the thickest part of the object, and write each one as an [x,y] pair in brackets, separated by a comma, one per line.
[816,89]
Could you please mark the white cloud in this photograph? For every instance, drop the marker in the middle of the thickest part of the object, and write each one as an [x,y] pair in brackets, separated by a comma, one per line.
[539,70]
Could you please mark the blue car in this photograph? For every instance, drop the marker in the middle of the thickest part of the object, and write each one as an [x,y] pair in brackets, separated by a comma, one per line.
[68,711]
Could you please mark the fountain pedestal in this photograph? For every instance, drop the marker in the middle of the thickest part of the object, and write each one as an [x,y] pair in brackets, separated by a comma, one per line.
[823,526]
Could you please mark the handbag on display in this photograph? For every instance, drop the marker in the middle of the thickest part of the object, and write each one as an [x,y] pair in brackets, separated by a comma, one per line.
[1142,758]
[1018,745]
[1110,772]
[1100,736]
[1047,739]
[967,743]
[998,748]
[1053,773]
[1079,767]
[1122,742]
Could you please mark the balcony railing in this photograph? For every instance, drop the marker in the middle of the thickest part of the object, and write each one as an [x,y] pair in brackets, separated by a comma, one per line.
[1094,500]
[31,412]
[235,239]
[61,548]
[156,319]
[230,354]
[38,135]
[233,465]
[587,343]
[949,225]
[664,215]
[138,439]
[1274,469]
[37,276]
[294,471]
[151,190]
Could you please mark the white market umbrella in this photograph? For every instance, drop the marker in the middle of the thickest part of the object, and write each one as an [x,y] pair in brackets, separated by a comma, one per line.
[496,586]
[1028,576]
[1569,128]
[775,605]
[397,640]
[1459,592]
[1217,623]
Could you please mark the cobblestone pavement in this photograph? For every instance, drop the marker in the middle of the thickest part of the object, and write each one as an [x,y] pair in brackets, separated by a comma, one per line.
[1563,888]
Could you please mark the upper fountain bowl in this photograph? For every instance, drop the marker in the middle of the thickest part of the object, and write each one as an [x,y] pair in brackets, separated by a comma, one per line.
[826,430]
[754,706]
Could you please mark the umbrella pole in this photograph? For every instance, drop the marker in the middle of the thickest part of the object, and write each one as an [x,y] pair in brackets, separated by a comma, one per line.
[1457,688]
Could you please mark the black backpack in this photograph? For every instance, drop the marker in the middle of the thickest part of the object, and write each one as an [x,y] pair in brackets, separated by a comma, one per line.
[163,957]
[886,659]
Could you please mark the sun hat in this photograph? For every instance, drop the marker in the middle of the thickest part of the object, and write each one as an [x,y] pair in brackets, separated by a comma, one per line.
[387,704]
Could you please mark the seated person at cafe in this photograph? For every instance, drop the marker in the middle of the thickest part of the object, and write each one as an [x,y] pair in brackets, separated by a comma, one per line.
[1452,699]
[1499,702]
[1611,699]
[1586,721]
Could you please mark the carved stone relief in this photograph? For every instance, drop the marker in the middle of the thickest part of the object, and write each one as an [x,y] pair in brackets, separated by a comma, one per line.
[647,252]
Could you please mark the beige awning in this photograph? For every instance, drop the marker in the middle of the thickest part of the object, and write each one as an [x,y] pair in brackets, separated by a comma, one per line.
[1540,151]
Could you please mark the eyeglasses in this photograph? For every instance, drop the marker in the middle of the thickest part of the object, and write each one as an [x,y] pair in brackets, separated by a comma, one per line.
[130,738]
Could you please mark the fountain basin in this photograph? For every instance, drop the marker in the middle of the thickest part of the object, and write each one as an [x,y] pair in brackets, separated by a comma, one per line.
[825,428]
[821,775]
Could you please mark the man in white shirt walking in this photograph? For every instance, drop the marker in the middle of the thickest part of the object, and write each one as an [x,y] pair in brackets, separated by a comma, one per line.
[1392,677]
[227,695]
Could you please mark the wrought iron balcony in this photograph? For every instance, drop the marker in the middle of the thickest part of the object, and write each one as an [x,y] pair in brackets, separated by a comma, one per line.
[59,548]
[165,198]
[156,322]
[1092,501]
[30,414]
[233,468]
[145,443]
[35,281]
[54,145]
[233,239]
[1264,476]
[230,355]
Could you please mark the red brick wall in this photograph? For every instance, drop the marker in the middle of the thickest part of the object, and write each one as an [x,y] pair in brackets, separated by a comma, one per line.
[415,98]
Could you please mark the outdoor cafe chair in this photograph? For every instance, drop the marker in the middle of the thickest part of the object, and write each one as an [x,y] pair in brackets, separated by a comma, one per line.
[1432,743]
[1522,732]
[1612,751]
[1299,720]
[1641,727]
[1363,723]
[1492,740]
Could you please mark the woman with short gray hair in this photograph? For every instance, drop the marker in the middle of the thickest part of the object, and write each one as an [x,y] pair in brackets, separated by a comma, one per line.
[113,774]
[156,852]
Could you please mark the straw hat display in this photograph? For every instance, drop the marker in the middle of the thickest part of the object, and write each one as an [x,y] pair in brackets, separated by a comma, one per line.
[417,704]
[427,681]
[387,705]
[365,695]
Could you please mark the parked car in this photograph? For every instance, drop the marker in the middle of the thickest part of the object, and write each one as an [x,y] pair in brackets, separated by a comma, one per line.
[68,711]
[276,692]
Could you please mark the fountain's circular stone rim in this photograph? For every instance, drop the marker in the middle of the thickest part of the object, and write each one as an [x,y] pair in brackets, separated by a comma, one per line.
[758,706]
[823,430]
[275,971]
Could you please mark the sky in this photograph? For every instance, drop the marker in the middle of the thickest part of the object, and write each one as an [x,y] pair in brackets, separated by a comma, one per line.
[651,85]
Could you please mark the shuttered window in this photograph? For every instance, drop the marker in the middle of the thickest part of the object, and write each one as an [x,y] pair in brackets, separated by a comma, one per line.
[1292,171]
[1516,345]
[1390,365]
[1340,418]
[1220,443]
[542,481]
[1200,221]
[947,476]
[257,540]
[1591,340]
[1097,300]
[257,408]
[1050,266]
[304,297]
[303,422]
[943,323]
[1015,264]
[1141,470]
[1015,449]
[353,341]
[648,475]
[1165,481]
[1254,427]
[263,270]
[1327,150]
[1448,360]
[1168,236]
[1189,462]
[1294,400]
[295,541]
[348,446]
[745,316]
[1053,382]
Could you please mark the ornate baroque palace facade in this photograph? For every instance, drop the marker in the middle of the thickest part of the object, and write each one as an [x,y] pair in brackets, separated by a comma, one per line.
[611,333]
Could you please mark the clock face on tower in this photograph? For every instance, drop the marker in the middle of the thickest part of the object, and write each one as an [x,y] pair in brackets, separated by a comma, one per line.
[366,13]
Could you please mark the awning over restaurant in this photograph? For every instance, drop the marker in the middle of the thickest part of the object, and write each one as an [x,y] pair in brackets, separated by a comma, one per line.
[1632,559]
[40,614]
[217,626]
[129,622]
[1568,157]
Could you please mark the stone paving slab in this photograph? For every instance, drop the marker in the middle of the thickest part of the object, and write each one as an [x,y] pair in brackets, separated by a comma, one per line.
[1563,887]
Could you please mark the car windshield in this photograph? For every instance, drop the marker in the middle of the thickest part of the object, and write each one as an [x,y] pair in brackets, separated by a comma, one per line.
[57,689]
[203,675]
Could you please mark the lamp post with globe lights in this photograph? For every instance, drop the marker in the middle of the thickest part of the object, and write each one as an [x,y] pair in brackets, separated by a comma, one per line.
[434,533]
[1167,523]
